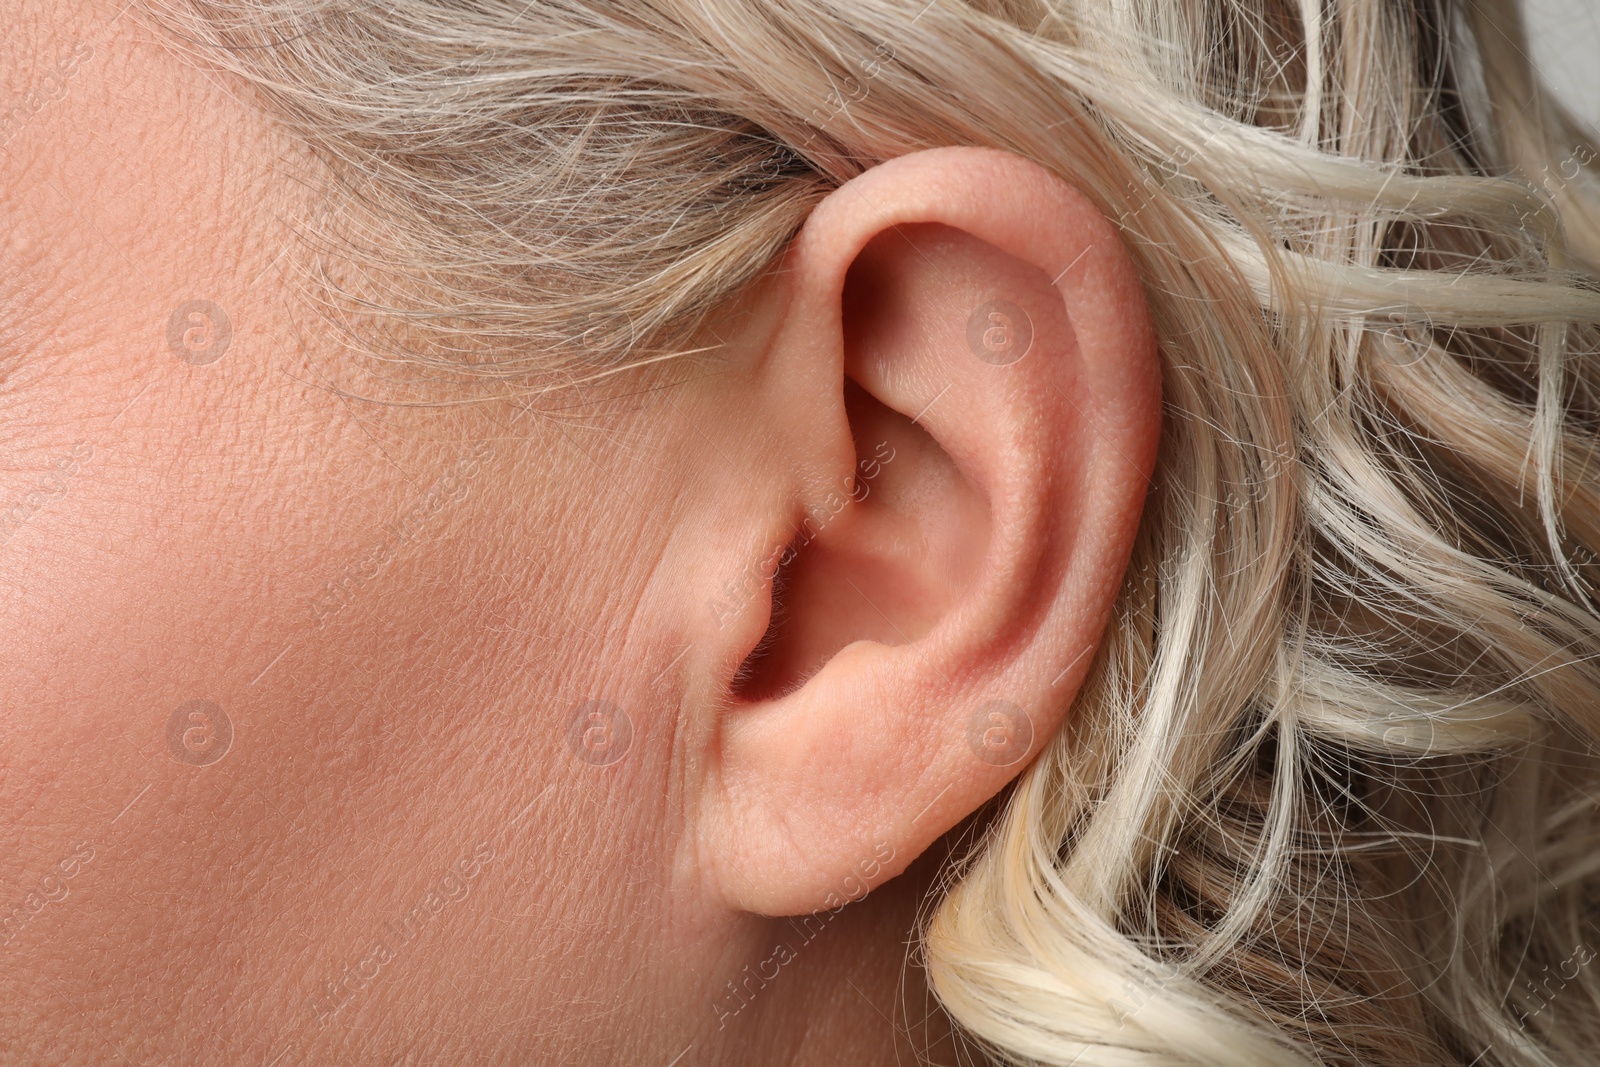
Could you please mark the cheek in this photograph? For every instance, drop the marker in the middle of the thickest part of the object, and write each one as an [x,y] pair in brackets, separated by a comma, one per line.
[278,675]
[279,653]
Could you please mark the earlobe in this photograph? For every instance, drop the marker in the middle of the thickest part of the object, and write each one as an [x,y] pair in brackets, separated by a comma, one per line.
[978,343]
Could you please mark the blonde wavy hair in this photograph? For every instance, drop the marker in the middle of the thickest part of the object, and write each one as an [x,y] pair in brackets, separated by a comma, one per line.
[1330,794]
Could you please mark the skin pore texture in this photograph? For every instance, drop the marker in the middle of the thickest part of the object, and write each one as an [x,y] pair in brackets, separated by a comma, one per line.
[408,620]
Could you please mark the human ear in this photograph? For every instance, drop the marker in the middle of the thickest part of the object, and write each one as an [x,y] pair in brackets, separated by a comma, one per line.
[965,400]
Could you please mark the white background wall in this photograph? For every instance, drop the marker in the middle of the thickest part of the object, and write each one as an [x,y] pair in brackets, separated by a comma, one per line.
[1565,35]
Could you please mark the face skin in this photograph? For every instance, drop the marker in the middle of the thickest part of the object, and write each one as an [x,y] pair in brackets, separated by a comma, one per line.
[342,731]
